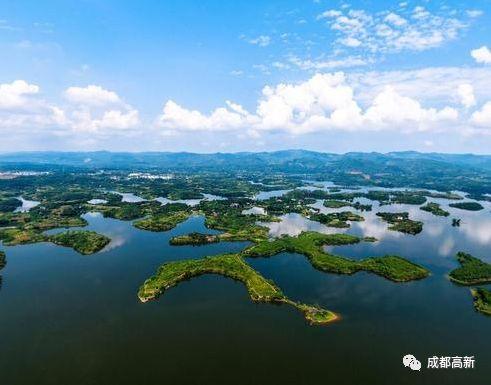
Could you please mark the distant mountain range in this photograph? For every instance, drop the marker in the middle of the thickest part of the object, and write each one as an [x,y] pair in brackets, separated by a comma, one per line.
[429,170]
[278,159]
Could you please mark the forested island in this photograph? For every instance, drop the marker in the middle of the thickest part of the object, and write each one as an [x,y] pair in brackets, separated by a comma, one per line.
[232,266]
[82,241]
[401,222]
[469,206]
[435,209]
[162,222]
[309,244]
[482,300]
[472,271]
[229,205]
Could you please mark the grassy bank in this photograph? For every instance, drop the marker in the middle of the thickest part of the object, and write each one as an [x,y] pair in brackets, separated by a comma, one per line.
[232,266]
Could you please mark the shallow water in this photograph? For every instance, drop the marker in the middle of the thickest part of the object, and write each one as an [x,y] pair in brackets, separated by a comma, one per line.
[97,201]
[254,211]
[190,202]
[263,195]
[72,319]
[26,205]
[129,197]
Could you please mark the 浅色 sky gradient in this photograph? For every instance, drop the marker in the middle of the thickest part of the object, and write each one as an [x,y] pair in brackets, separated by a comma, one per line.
[209,76]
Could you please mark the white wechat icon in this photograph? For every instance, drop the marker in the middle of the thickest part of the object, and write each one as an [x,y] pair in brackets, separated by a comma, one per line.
[411,361]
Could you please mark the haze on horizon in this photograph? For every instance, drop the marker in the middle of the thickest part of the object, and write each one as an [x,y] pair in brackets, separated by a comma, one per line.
[249,76]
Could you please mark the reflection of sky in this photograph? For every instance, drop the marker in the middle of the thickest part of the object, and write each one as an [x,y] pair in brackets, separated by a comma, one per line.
[117,240]
[189,202]
[129,197]
[26,205]
[438,238]
[263,195]
[254,211]
[293,224]
[97,201]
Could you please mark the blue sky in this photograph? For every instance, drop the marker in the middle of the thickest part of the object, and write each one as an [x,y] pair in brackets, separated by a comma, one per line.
[245,75]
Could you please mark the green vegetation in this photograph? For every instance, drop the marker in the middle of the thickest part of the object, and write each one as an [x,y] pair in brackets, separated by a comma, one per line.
[262,290]
[385,197]
[227,216]
[194,239]
[3,260]
[470,206]
[310,244]
[435,209]
[334,204]
[409,199]
[9,204]
[401,222]
[82,241]
[482,300]
[338,220]
[472,271]
[162,222]
[15,236]
[232,266]
[64,192]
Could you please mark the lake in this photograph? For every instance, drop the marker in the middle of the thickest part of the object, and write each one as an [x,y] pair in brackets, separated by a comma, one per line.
[72,319]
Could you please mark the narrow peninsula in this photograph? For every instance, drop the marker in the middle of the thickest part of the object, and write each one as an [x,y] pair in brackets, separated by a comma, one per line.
[232,266]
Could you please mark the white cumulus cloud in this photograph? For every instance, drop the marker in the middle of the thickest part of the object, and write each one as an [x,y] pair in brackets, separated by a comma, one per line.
[91,95]
[482,55]
[482,117]
[175,117]
[322,103]
[16,94]
[466,93]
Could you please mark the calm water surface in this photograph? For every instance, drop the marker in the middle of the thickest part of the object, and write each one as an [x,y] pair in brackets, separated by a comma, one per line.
[72,319]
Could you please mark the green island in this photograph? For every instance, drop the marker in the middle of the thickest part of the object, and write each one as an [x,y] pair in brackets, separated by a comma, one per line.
[472,271]
[469,206]
[435,209]
[227,217]
[386,197]
[83,241]
[162,222]
[409,199]
[64,195]
[194,239]
[335,204]
[310,244]
[401,222]
[339,220]
[482,300]
[232,266]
